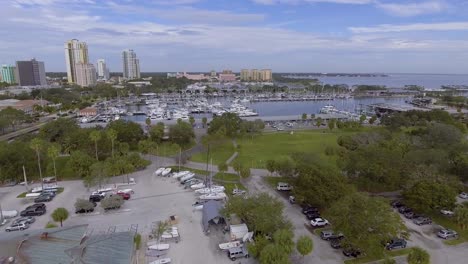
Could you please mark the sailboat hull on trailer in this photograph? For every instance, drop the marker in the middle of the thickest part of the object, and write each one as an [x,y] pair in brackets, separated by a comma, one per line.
[213,196]
[213,189]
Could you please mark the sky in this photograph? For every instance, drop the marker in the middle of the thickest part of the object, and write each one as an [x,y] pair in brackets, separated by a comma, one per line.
[388,36]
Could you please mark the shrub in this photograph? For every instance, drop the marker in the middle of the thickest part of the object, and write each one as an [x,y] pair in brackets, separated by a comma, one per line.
[83,204]
[50,225]
[112,202]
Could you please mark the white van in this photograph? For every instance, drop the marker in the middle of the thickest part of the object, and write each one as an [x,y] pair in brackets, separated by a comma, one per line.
[282,186]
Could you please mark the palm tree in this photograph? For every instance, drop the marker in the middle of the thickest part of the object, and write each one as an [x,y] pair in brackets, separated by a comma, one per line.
[204,121]
[148,122]
[36,144]
[95,136]
[59,215]
[112,134]
[53,153]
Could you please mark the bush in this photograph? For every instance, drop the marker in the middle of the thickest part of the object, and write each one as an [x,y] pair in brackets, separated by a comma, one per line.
[50,225]
[137,240]
[330,151]
[112,202]
[83,204]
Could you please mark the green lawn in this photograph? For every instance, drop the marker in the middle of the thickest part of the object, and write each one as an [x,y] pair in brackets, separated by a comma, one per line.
[273,181]
[226,177]
[391,254]
[219,153]
[168,149]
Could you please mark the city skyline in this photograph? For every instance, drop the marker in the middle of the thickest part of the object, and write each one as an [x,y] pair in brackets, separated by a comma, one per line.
[393,36]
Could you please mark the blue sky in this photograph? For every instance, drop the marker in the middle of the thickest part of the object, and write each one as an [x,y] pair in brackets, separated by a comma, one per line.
[413,36]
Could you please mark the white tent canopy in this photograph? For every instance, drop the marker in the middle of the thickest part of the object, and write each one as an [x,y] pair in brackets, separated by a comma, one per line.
[238,231]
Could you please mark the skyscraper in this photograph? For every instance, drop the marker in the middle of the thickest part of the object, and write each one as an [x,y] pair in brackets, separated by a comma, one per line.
[102,70]
[30,73]
[245,75]
[8,74]
[131,65]
[85,74]
[75,52]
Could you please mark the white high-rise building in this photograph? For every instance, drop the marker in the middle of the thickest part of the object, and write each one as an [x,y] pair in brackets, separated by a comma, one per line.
[102,70]
[76,52]
[85,74]
[131,65]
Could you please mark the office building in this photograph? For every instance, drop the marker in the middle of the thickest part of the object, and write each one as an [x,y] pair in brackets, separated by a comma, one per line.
[30,73]
[85,74]
[102,70]
[76,52]
[213,74]
[264,75]
[227,77]
[131,65]
[227,71]
[8,74]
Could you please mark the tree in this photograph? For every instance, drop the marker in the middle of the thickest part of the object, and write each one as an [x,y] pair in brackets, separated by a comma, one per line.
[427,196]
[127,131]
[58,130]
[37,145]
[461,216]
[13,116]
[245,172]
[148,122]
[98,171]
[372,119]
[112,134]
[331,124]
[147,147]
[237,166]
[273,254]
[270,165]
[157,132]
[53,153]
[304,117]
[362,118]
[304,245]
[80,163]
[229,123]
[318,122]
[285,166]
[95,135]
[59,215]
[181,133]
[192,120]
[114,201]
[222,167]
[284,239]
[365,221]
[388,261]
[204,121]
[418,255]
[83,204]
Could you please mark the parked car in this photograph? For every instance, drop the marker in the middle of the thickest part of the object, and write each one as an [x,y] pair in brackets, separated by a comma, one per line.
[411,215]
[95,198]
[447,212]
[312,215]
[351,252]
[33,211]
[26,220]
[36,205]
[16,227]
[422,220]
[237,252]
[125,196]
[447,233]
[396,204]
[318,222]
[43,198]
[48,192]
[309,208]
[283,186]
[329,234]
[82,210]
[404,209]
[292,199]
[463,195]
[396,244]
[335,243]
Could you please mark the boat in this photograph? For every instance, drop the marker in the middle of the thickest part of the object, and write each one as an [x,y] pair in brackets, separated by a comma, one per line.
[212,189]
[159,171]
[161,261]
[165,172]
[229,245]
[159,247]
[198,186]
[213,196]
[237,191]
[187,177]
[198,207]
[328,109]
[180,174]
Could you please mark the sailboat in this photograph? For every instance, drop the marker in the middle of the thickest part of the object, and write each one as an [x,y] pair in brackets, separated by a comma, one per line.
[212,189]
[213,196]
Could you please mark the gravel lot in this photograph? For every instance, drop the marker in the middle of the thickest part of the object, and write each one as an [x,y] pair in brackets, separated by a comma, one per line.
[155,199]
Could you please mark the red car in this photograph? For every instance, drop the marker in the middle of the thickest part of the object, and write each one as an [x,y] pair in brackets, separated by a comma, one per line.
[125,196]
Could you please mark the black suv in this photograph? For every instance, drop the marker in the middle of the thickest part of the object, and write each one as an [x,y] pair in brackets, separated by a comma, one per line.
[396,244]
[36,205]
[33,211]
[43,198]
[351,252]
[309,209]
[404,209]
[312,215]
[95,198]
[336,243]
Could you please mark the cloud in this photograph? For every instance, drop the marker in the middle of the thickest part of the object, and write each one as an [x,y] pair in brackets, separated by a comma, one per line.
[385,28]
[413,9]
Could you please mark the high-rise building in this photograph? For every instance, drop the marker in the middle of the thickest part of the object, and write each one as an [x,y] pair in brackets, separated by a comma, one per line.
[131,65]
[76,52]
[245,75]
[213,73]
[30,73]
[85,74]
[266,75]
[254,75]
[102,70]
[8,74]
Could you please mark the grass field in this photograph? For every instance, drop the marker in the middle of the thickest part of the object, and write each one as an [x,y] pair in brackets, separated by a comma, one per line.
[168,149]
[219,153]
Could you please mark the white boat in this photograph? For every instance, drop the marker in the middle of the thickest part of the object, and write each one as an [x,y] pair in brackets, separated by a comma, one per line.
[213,196]
[159,171]
[180,174]
[198,207]
[213,189]
[32,195]
[159,247]
[187,177]
[166,171]
[161,261]
[197,186]
[228,245]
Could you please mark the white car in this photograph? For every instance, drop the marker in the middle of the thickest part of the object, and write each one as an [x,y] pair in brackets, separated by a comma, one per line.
[446,212]
[18,226]
[317,222]
[463,195]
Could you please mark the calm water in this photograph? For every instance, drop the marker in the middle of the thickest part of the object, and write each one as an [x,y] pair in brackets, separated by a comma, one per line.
[429,81]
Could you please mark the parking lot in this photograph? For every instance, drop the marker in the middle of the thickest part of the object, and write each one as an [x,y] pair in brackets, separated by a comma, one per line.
[155,199]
